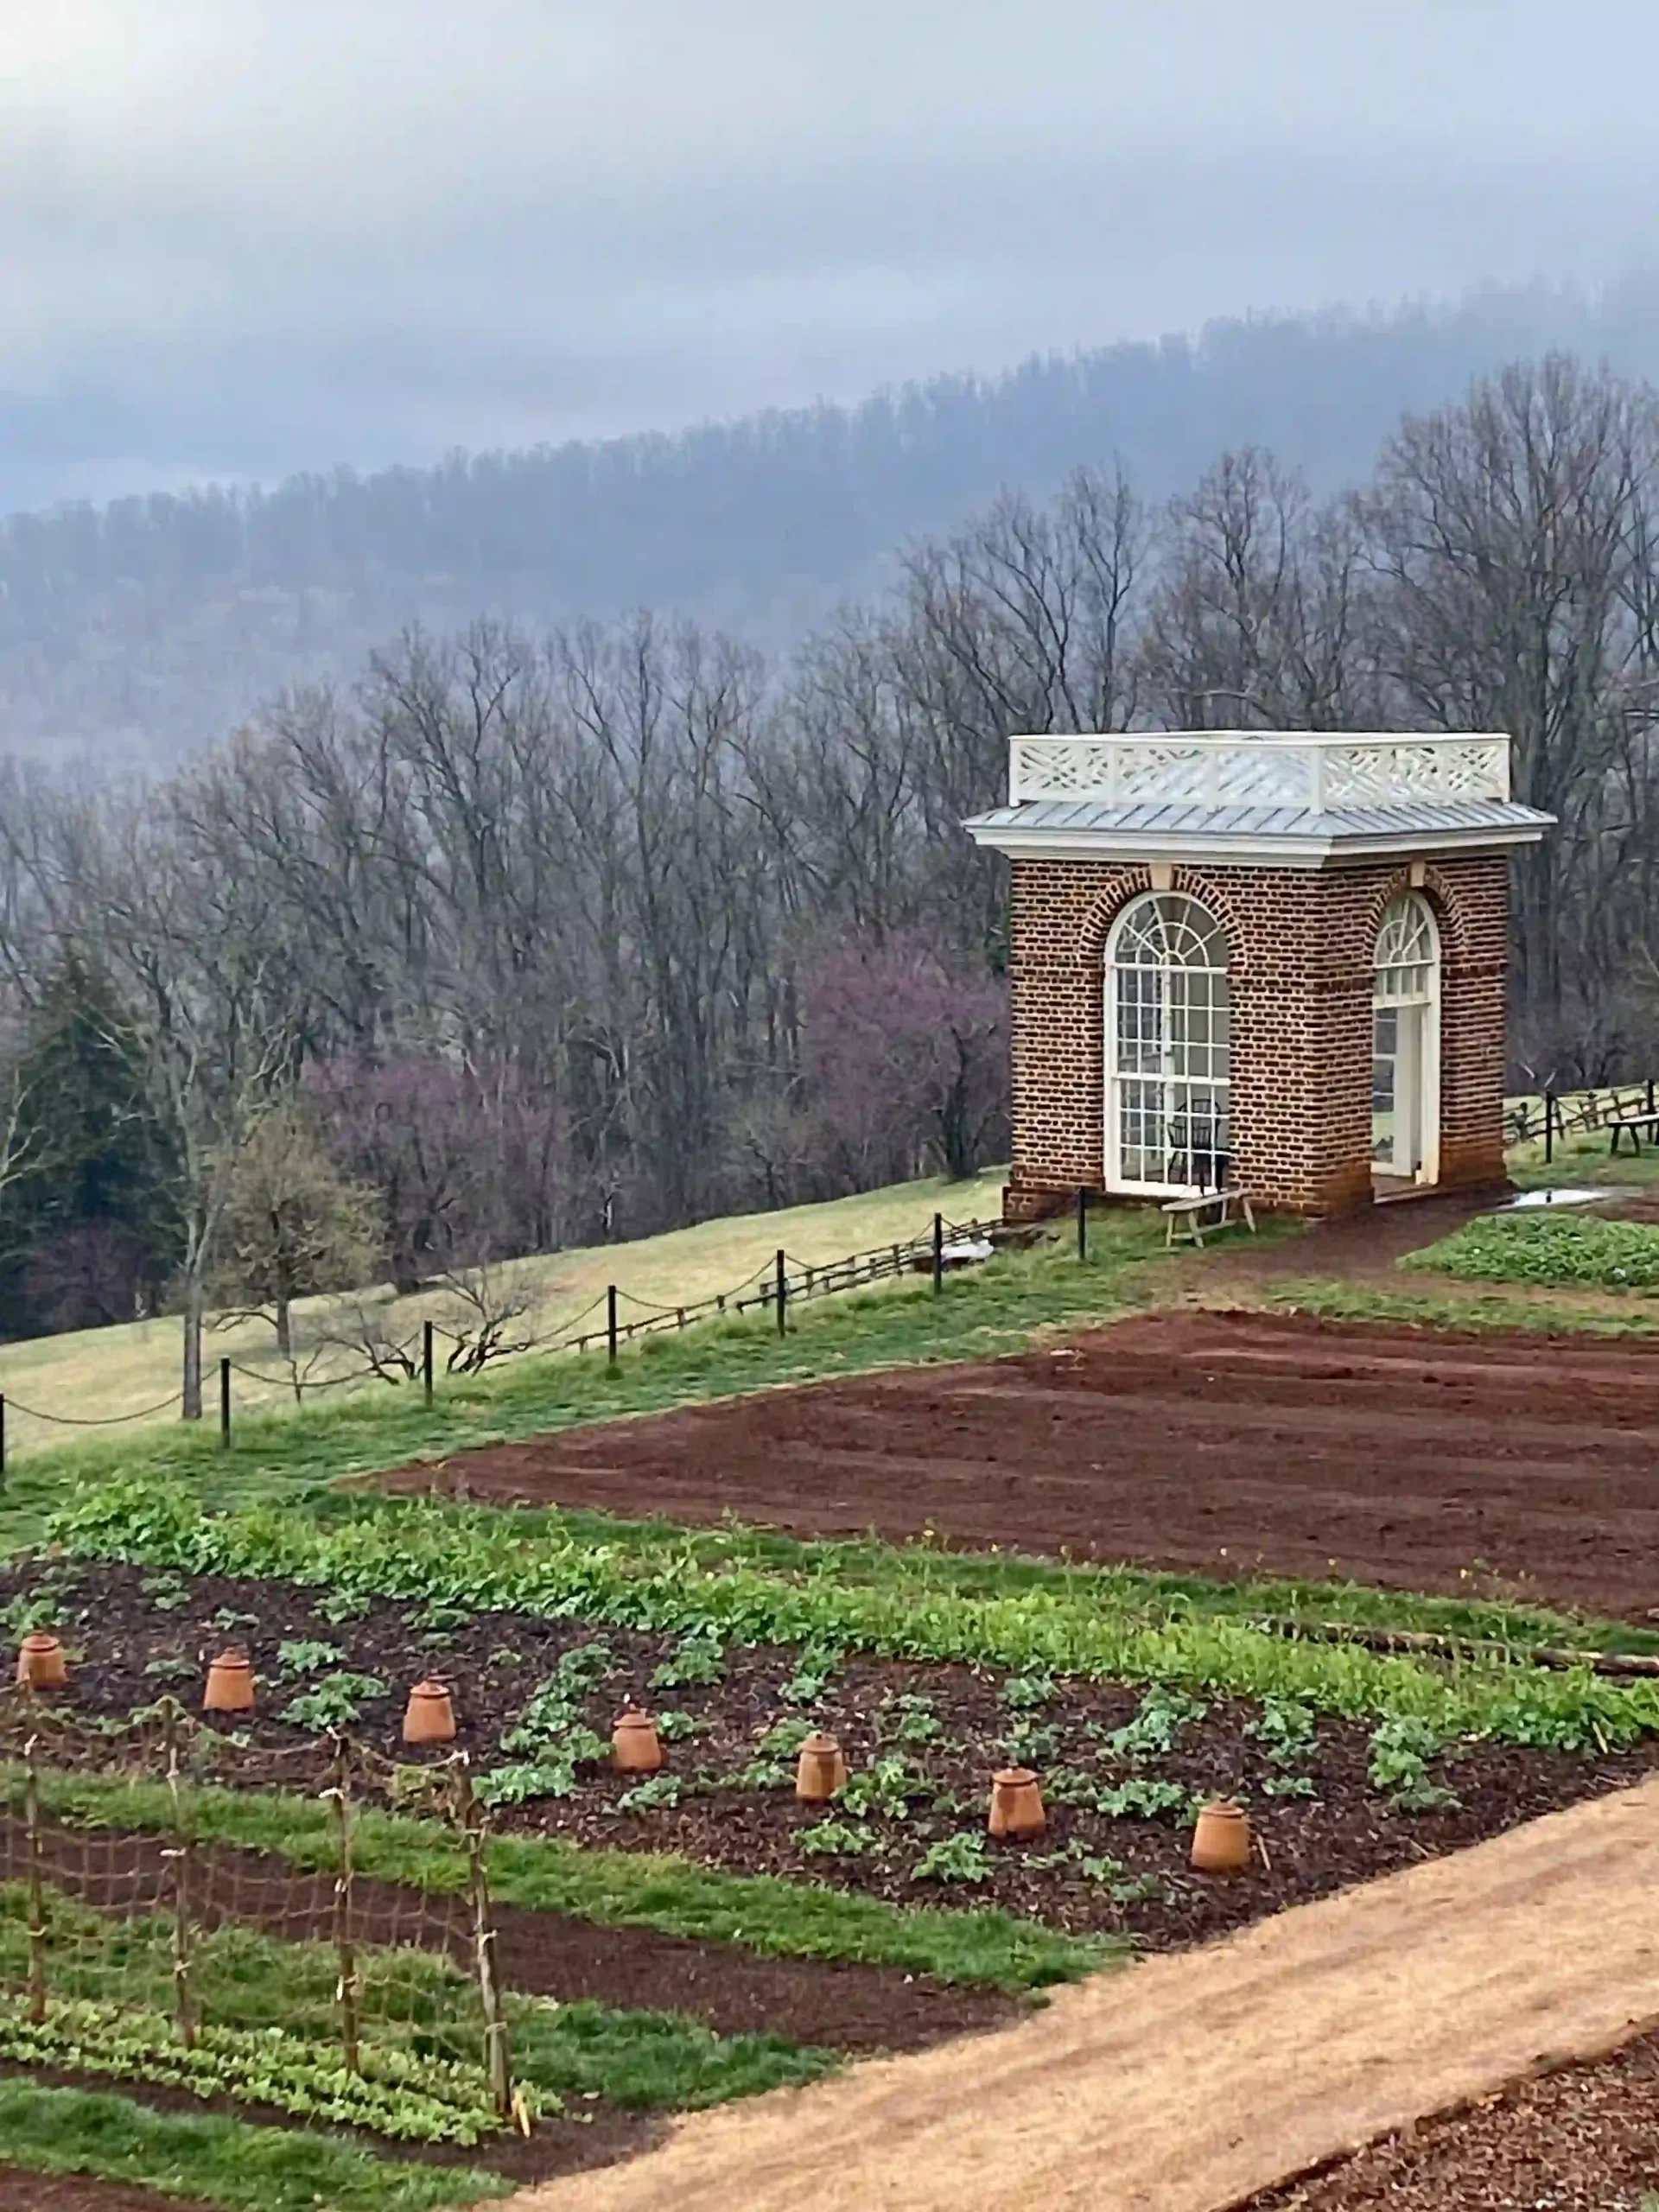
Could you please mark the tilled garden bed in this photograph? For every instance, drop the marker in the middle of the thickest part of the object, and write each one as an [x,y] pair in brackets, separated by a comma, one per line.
[1122,1770]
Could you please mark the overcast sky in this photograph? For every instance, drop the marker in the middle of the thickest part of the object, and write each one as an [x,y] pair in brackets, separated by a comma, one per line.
[241,236]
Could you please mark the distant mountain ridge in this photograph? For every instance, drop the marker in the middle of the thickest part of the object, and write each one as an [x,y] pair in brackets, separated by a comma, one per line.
[145,628]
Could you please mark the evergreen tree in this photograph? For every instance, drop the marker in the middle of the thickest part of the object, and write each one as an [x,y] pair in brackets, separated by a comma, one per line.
[88,1232]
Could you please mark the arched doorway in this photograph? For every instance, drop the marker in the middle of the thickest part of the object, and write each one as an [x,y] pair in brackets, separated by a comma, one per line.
[1406,1046]
[1167,1048]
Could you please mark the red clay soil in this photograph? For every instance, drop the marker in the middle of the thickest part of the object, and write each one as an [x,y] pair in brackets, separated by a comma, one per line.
[27,2192]
[1225,1443]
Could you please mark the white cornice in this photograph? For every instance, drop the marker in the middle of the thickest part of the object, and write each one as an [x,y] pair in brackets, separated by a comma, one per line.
[1245,849]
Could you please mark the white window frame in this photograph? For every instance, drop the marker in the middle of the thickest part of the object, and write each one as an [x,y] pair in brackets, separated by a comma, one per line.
[1219,1087]
[1418,987]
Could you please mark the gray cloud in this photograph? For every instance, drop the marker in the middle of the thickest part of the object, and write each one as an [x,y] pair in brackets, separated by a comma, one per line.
[244,235]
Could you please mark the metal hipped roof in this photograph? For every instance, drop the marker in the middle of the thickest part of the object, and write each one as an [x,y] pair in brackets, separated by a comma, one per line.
[1100,818]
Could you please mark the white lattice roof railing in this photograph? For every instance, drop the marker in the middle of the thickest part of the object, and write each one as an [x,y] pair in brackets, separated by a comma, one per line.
[1218,768]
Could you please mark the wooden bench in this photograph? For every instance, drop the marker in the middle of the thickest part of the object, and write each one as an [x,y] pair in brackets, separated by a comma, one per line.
[1208,1210]
[1632,1125]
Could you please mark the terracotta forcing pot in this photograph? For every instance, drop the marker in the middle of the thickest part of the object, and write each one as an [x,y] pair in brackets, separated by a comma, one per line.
[41,1663]
[429,1716]
[820,1770]
[1016,1803]
[230,1684]
[1221,1840]
[635,1745]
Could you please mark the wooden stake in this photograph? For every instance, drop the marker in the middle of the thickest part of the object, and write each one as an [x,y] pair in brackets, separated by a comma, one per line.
[36,1888]
[498,2046]
[349,1991]
[180,1856]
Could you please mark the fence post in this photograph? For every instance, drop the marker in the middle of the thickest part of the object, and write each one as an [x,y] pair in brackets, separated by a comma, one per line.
[610,1324]
[224,1405]
[2,1439]
[783,1290]
[1549,1127]
[1082,1222]
[938,1254]
[179,1855]
[498,2046]
[36,1888]
[426,1361]
[345,1948]
[1649,1109]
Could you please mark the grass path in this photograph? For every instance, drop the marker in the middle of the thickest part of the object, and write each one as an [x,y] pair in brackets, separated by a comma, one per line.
[1197,2080]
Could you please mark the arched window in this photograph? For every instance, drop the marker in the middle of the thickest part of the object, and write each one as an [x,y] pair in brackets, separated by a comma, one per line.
[1405,1044]
[1167,1047]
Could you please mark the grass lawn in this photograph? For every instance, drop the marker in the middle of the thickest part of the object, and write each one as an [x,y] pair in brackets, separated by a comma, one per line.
[97,1373]
[295,1456]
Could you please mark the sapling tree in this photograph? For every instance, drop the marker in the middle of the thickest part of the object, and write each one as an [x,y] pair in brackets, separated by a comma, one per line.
[293,1225]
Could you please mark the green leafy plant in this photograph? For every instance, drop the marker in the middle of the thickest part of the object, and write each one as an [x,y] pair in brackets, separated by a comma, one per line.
[1284,1729]
[394,2093]
[885,1786]
[909,1718]
[697,1660]
[308,1656]
[170,1667]
[340,1605]
[677,1727]
[29,1610]
[228,1619]
[1163,1717]
[834,1839]
[1023,1692]
[660,1793]
[1141,1799]
[1400,1751]
[167,1593]
[963,1856]
[336,1702]
[1029,1743]
[520,1781]
[816,1669]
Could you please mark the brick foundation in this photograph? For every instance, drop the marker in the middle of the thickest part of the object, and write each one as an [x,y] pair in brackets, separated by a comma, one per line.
[1301,944]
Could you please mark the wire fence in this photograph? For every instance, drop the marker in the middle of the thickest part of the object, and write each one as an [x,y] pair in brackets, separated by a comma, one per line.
[500,1327]
[151,1953]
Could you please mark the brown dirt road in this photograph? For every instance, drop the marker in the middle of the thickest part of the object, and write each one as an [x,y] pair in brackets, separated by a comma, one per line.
[1228,1443]
[1188,2083]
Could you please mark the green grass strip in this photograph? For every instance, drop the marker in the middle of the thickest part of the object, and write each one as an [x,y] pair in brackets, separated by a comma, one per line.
[215,2160]
[763,1913]
[1469,1313]
[296,1456]
[481,1559]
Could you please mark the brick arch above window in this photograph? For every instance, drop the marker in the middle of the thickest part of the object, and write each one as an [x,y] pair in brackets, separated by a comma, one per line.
[1443,903]
[1133,883]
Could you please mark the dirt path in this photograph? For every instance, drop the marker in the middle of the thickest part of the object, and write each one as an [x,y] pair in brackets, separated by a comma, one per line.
[1189,2083]
[1224,1443]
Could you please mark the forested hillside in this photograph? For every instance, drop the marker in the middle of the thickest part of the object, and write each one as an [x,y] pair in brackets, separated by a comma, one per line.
[144,629]
[529,941]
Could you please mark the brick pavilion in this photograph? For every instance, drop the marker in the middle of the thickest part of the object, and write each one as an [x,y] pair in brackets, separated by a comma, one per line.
[1271,961]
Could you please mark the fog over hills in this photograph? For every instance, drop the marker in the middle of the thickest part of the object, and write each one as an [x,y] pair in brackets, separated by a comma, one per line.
[142,629]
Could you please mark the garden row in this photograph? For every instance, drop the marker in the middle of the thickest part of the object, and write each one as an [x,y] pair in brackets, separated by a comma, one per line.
[1350,1761]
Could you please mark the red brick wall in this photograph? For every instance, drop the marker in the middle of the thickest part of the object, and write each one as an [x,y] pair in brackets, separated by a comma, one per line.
[1301,944]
